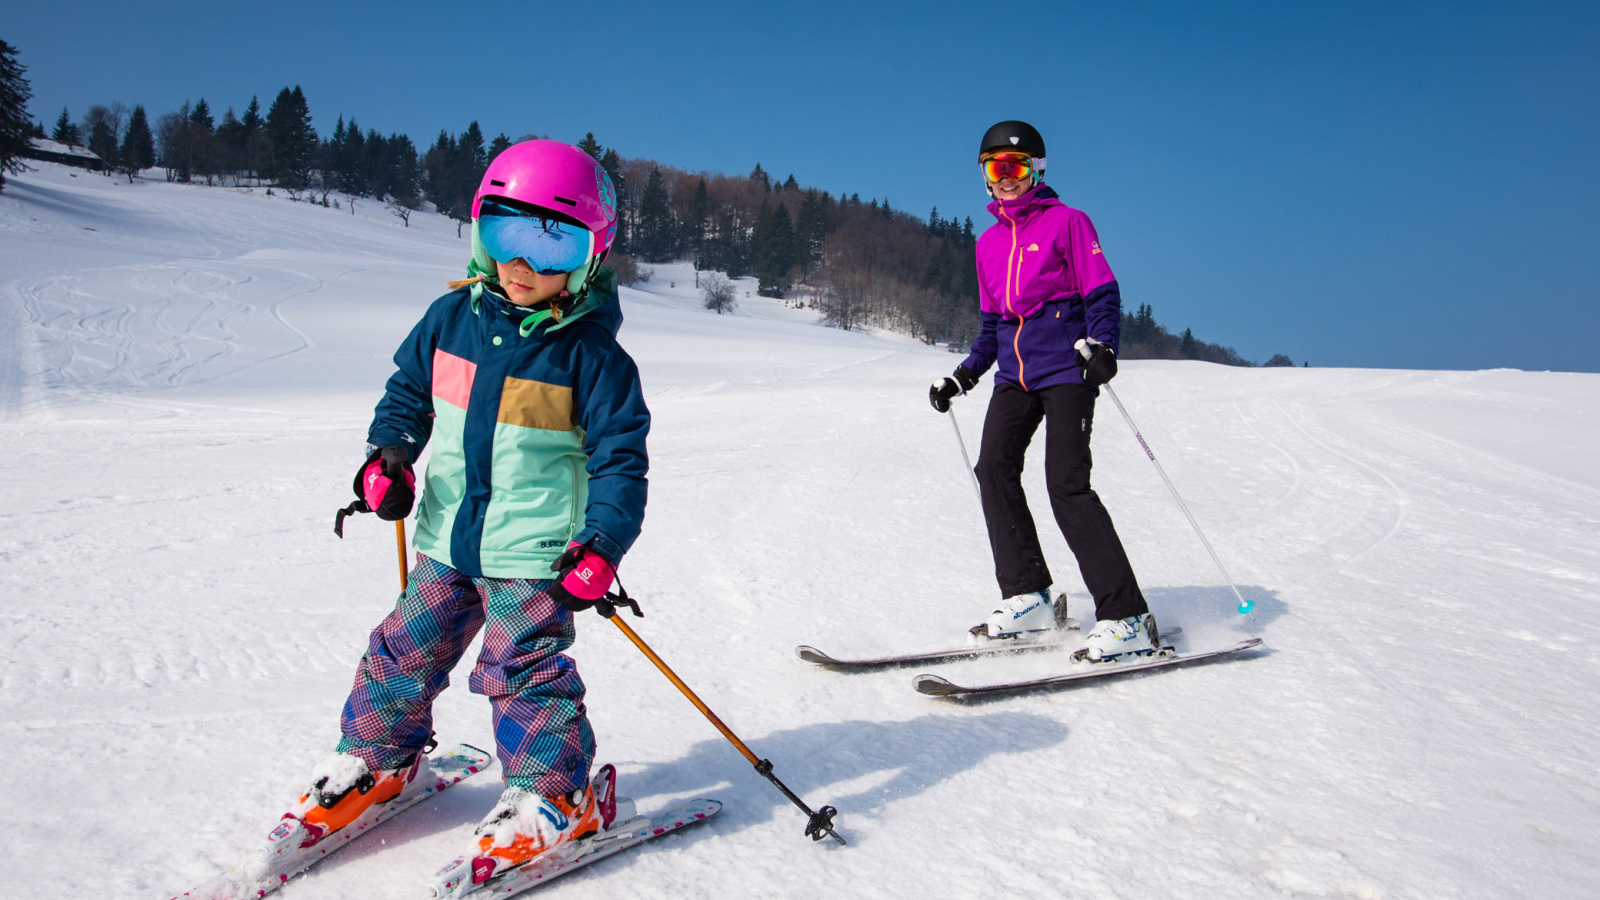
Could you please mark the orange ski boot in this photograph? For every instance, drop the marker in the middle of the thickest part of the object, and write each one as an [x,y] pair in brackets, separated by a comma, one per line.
[524,826]
[342,789]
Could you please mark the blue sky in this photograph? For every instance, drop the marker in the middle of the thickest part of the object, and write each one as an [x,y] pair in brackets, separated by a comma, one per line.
[1395,185]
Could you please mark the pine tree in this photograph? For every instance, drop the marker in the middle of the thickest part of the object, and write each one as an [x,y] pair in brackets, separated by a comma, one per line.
[15,124]
[759,176]
[791,184]
[811,230]
[612,163]
[292,141]
[436,164]
[499,145]
[1188,346]
[252,116]
[655,220]
[591,146]
[138,145]
[201,115]
[65,131]
[772,248]
[351,150]
[699,215]
[375,175]
[780,247]
[103,143]
[229,143]
[252,145]
[404,175]
[202,140]
[1141,326]
[473,153]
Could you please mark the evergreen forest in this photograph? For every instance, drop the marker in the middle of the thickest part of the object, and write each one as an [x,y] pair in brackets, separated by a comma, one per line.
[860,263]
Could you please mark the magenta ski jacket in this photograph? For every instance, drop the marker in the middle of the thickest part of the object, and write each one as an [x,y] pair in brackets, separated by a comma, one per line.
[1043,283]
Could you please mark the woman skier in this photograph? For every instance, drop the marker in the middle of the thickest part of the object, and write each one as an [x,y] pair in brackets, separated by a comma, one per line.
[535,490]
[1045,291]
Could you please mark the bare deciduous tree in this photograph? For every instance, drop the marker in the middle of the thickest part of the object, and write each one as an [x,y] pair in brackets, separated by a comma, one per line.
[718,291]
[402,207]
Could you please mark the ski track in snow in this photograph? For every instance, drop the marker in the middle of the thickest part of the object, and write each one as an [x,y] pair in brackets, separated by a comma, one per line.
[186,376]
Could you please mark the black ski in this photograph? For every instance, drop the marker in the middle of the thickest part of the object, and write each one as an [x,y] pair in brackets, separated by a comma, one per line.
[941,687]
[998,648]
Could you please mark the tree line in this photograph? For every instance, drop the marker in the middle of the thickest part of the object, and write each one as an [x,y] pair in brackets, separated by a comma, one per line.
[860,263]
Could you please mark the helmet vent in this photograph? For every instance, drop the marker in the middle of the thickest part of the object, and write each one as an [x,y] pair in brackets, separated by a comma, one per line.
[497,183]
[566,201]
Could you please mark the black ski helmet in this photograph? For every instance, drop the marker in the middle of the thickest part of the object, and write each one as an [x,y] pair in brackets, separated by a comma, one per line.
[1013,135]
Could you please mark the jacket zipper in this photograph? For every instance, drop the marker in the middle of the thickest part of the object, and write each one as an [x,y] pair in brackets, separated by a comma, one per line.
[572,521]
[1013,264]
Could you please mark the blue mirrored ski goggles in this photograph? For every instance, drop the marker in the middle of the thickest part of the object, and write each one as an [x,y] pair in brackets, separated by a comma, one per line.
[548,245]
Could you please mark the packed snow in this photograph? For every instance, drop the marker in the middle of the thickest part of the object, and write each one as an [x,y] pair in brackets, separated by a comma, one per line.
[186,377]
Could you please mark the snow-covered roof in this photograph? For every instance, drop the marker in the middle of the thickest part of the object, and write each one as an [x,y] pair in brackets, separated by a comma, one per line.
[45,145]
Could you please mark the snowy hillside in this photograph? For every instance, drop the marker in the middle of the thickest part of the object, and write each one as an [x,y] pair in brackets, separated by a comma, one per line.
[186,376]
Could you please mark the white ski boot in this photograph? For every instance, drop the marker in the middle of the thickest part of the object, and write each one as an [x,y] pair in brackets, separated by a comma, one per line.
[1025,617]
[1114,638]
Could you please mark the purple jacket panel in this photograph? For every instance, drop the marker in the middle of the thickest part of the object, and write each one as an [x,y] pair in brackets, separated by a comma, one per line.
[1043,284]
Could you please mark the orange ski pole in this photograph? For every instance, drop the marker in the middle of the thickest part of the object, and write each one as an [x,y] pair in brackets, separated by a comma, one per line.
[818,823]
[400,541]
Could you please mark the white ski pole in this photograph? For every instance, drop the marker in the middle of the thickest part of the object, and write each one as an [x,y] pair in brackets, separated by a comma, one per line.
[1245,606]
[964,458]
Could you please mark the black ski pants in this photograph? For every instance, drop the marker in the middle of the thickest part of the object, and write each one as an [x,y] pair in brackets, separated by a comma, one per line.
[1068,411]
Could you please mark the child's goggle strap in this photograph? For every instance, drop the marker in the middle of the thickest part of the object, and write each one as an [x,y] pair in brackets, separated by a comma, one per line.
[1016,166]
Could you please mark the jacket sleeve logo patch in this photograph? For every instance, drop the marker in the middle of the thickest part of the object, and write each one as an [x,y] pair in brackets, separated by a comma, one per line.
[1096,246]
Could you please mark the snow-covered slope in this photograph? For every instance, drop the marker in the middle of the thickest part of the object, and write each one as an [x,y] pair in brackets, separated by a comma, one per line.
[185,380]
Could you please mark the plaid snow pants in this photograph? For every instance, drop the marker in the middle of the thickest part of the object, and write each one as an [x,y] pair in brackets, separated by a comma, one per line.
[540,725]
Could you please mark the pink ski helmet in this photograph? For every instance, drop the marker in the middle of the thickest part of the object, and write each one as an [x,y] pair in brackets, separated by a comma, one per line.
[558,177]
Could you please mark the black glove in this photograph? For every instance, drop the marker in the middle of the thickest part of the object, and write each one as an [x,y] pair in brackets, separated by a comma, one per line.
[1099,362]
[959,383]
[386,483]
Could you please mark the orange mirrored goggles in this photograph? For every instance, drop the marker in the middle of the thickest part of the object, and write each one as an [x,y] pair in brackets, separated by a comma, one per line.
[1016,166]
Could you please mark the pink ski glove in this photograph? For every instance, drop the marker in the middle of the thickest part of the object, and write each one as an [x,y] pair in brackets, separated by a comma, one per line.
[583,576]
[387,484]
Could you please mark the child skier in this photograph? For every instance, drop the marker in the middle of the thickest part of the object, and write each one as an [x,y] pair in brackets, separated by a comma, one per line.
[535,490]
[1044,286]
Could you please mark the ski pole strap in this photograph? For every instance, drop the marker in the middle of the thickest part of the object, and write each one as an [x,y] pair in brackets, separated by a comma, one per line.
[607,605]
[360,506]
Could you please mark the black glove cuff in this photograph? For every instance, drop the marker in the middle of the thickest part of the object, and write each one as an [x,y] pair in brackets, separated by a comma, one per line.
[566,600]
[966,378]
